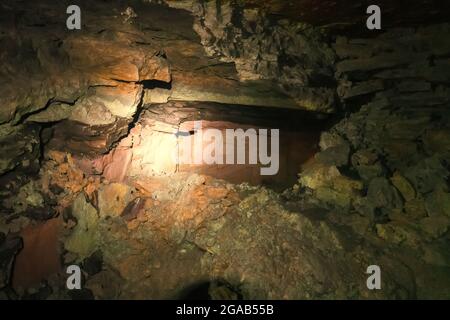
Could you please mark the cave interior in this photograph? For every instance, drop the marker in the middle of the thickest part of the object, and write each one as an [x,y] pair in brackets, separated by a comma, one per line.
[358,124]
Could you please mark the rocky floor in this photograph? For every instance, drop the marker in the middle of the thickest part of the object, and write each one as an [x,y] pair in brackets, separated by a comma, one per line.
[163,237]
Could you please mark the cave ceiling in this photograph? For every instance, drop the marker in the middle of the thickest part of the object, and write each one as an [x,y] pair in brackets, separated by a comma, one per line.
[348,12]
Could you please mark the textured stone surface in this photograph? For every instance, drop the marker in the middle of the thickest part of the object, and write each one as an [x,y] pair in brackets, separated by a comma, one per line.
[40,256]
[394,150]
[93,82]
[84,237]
[292,54]
[87,59]
[87,119]
[204,229]
[19,146]
[344,15]
[113,198]
[9,247]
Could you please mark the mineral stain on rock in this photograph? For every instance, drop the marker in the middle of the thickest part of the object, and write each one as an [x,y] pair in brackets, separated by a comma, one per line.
[40,256]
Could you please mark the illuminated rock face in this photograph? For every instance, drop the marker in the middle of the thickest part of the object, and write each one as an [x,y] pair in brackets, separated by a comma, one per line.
[94,81]
[165,141]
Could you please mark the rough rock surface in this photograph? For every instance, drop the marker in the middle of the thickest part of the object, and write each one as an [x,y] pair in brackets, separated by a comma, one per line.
[169,234]
[337,15]
[93,82]
[80,111]
[293,54]
[9,247]
[197,229]
[382,167]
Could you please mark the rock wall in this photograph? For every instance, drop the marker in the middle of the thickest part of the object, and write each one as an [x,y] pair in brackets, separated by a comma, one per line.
[293,54]
[167,127]
[400,132]
[93,83]
[90,79]
[385,167]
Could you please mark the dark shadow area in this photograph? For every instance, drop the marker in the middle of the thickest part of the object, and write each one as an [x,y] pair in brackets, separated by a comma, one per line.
[153,84]
[197,291]
[209,290]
